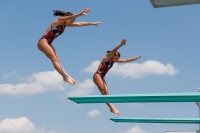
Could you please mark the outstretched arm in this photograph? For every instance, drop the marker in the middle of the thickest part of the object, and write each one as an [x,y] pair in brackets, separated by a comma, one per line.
[75,24]
[128,59]
[109,55]
[84,12]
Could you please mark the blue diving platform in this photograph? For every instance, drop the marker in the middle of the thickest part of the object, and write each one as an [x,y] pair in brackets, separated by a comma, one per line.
[138,98]
[158,120]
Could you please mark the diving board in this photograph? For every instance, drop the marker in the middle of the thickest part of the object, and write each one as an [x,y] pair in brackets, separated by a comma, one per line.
[169,3]
[158,120]
[138,98]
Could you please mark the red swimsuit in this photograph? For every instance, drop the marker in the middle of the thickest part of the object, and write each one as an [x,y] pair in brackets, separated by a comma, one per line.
[105,67]
[54,32]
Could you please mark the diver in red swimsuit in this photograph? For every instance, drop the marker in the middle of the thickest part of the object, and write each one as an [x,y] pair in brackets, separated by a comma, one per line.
[105,65]
[57,28]
[54,32]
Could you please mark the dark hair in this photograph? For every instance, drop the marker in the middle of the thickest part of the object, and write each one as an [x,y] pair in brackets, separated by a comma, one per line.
[61,13]
[115,54]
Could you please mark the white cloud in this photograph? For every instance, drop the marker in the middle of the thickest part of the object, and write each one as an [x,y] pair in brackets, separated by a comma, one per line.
[136,70]
[21,125]
[135,129]
[36,83]
[83,88]
[46,81]
[92,67]
[8,75]
[93,113]
[17,125]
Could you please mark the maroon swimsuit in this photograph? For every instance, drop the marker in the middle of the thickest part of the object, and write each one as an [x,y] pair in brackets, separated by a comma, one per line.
[54,32]
[105,67]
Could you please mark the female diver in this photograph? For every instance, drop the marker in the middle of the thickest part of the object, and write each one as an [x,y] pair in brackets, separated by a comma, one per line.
[57,28]
[107,62]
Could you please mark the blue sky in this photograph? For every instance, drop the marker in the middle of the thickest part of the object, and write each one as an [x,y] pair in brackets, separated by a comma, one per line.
[33,96]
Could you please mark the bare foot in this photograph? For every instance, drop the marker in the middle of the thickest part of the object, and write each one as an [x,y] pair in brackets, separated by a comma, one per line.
[69,80]
[72,80]
[115,111]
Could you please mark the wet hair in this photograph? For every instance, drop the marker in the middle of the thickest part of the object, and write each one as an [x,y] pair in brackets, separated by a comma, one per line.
[61,13]
[115,54]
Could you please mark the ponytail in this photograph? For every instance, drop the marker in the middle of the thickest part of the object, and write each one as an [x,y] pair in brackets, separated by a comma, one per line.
[61,13]
[58,13]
